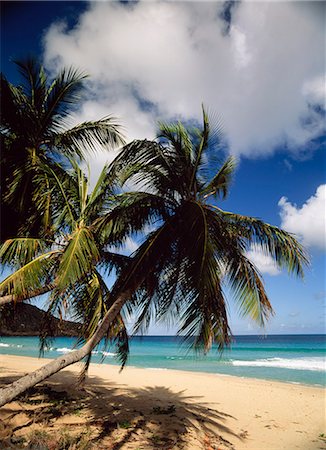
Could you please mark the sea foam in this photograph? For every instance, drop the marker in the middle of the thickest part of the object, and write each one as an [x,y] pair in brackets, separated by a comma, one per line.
[315,364]
[67,350]
[108,353]
[64,350]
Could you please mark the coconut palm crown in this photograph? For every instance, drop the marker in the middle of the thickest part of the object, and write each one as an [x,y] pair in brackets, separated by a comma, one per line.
[36,127]
[70,267]
[197,248]
[179,271]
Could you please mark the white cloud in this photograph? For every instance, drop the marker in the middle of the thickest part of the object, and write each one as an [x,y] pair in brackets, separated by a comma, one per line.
[91,110]
[154,60]
[314,90]
[307,222]
[263,261]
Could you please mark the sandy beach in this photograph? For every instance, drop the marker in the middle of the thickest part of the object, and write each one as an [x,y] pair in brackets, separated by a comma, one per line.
[160,409]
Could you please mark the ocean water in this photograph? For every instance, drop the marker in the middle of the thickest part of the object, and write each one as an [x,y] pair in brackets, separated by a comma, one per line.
[290,358]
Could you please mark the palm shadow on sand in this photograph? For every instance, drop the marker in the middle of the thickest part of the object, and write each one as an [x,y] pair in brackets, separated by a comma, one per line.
[118,416]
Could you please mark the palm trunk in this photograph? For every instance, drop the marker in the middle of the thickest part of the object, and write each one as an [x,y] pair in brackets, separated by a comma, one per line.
[20,298]
[8,393]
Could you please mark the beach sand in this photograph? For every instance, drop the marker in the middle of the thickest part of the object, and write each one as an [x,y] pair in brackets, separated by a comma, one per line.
[160,409]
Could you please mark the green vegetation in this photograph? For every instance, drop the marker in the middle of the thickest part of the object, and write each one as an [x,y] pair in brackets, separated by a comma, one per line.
[62,440]
[190,246]
[126,424]
[36,131]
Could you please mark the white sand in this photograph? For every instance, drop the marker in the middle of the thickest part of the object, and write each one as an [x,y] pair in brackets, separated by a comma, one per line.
[185,409]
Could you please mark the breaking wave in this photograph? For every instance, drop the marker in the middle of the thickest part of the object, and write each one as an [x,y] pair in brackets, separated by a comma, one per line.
[2,344]
[64,350]
[68,350]
[315,364]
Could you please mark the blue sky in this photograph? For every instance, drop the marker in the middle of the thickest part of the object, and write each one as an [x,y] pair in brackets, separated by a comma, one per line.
[261,71]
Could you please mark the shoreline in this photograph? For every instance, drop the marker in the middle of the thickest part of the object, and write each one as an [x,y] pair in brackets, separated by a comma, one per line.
[217,374]
[294,360]
[46,358]
[184,408]
[177,372]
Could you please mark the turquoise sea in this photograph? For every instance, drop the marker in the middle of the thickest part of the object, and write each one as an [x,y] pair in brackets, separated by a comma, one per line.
[290,358]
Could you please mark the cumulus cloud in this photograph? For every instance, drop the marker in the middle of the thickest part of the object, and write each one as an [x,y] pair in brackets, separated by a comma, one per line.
[314,90]
[263,73]
[263,262]
[307,221]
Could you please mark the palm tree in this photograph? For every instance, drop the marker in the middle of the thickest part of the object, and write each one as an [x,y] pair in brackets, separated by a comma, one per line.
[195,248]
[36,130]
[70,266]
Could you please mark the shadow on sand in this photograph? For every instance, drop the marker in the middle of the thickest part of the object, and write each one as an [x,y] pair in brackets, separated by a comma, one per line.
[115,417]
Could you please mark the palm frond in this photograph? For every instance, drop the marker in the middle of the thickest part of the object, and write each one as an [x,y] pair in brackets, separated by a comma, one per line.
[35,88]
[136,152]
[118,336]
[63,94]
[101,197]
[248,289]
[20,251]
[32,276]
[147,263]
[282,246]
[85,301]
[203,313]
[11,114]
[171,292]
[145,162]
[90,299]
[177,136]
[236,270]
[89,137]
[78,259]
[113,261]
[90,305]
[132,211]
[51,184]
[220,183]
[200,147]
[61,182]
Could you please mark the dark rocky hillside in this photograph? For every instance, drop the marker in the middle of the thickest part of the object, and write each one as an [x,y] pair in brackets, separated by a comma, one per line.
[22,319]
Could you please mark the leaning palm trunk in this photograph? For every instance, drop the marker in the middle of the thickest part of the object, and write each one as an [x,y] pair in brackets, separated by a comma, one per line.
[20,298]
[177,271]
[8,393]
